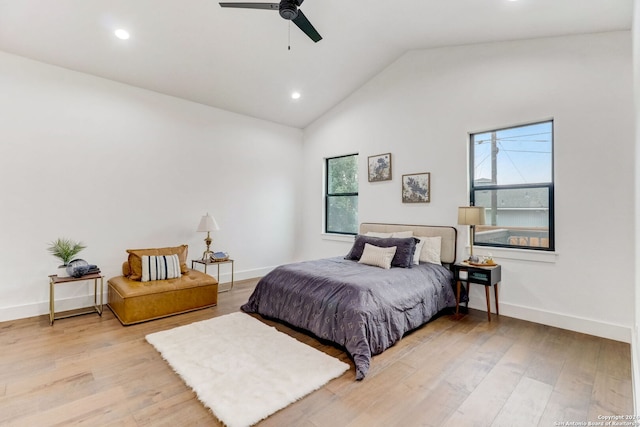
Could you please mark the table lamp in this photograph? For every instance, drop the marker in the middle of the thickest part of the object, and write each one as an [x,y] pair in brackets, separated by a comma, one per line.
[471,216]
[208,224]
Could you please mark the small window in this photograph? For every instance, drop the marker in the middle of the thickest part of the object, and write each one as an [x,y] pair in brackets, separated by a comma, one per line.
[512,178]
[341,195]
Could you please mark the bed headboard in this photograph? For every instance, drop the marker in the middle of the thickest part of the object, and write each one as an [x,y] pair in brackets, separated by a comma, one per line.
[449,235]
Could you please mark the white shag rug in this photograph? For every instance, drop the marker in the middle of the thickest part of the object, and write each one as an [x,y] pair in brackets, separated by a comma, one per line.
[242,369]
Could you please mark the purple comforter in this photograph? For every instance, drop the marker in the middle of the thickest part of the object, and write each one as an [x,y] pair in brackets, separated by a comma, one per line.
[362,308]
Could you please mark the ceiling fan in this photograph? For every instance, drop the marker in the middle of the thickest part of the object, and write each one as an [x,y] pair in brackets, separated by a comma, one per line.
[288,10]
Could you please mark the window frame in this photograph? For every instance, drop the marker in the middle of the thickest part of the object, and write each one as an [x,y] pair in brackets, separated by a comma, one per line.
[550,186]
[328,196]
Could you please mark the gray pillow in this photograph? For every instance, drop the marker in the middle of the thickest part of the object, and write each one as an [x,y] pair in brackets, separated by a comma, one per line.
[404,253]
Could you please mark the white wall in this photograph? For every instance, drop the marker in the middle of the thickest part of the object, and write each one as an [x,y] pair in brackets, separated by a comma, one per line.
[119,167]
[635,351]
[77,155]
[422,108]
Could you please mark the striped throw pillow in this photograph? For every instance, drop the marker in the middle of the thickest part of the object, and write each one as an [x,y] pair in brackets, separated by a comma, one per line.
[160,267]
[376,256]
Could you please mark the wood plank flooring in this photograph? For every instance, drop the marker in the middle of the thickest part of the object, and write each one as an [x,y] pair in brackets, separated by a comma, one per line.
[92,370]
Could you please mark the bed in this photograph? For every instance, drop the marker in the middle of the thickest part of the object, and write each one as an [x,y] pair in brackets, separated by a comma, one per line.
[363,308]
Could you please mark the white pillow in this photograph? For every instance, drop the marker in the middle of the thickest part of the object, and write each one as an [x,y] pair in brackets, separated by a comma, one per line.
[375,234]
[376,256]
[416,254]
[430,251]
[160,267]
[402,234]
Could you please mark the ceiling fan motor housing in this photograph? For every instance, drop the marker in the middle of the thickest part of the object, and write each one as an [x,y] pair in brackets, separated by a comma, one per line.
[289,9]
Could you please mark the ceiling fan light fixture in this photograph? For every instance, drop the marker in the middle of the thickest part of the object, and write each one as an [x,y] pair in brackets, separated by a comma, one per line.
[296,95]
[122,34]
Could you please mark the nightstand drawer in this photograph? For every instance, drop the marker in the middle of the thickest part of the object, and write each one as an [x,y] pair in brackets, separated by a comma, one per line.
[480,276]
[484,276]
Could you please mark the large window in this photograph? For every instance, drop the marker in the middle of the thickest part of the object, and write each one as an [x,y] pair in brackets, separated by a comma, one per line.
[341,197]
[512,178]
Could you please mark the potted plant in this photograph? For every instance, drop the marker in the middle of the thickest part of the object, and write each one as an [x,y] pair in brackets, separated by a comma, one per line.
[65,250]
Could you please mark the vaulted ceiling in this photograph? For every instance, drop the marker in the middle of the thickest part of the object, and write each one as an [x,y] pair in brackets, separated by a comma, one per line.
[238,59]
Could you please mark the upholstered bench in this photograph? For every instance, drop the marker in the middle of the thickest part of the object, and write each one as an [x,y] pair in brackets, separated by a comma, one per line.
[134,301]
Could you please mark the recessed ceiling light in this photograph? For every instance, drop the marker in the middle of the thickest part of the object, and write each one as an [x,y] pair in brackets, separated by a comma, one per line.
[122,34]
[295,95]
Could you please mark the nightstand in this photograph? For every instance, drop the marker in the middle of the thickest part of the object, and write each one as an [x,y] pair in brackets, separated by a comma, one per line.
[487,276]
[216,263]
[55,280]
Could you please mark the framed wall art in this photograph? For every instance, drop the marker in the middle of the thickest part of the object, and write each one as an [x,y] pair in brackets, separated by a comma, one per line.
[416,188]
[380,167]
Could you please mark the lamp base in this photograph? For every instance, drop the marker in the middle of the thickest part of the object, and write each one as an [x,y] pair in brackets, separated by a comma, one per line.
[206,256]
[472,257]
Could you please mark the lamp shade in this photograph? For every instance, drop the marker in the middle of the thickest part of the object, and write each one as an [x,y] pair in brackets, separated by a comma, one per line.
[471,215]
[207,223]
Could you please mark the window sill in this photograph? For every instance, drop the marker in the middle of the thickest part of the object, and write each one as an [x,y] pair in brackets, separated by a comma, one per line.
[517,254]
[338,237]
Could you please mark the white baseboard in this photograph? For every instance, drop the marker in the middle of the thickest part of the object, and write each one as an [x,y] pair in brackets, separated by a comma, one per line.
[225,276]
[63,304]
[578,324]
[42,307]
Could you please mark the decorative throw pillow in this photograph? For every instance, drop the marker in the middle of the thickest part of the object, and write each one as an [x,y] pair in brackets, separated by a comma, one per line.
[405,249]
[378,257]
[135,258]
[430,251]
[160,267]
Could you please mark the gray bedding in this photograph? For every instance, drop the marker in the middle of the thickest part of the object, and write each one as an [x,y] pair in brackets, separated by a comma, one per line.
[362,308]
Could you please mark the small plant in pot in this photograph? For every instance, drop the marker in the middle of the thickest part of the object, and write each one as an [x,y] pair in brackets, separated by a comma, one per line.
[65,250]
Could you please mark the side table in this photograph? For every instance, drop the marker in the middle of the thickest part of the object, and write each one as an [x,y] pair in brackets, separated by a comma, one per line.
[216,263]
[487,276]
[55,280]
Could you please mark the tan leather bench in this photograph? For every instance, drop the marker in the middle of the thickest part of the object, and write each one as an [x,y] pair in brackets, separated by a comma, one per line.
[133,301]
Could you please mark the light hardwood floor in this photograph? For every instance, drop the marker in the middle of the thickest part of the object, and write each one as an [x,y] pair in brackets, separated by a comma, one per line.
[90,370]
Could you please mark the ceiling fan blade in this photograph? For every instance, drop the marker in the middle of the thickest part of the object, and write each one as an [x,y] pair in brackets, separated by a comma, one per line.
[303,23]
[269,6]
